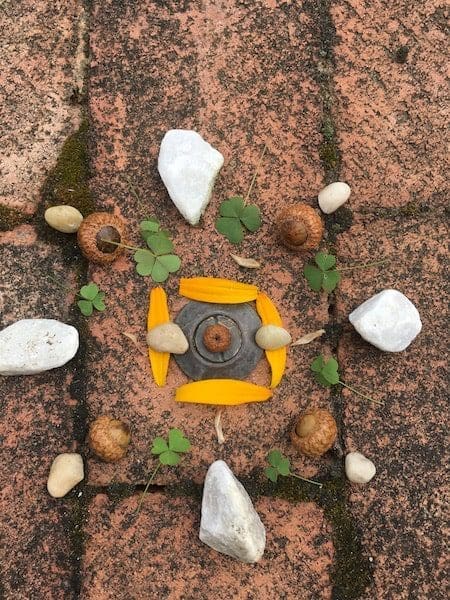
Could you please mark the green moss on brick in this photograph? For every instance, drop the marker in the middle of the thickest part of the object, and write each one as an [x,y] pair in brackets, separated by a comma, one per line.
[10,218]
[68,181]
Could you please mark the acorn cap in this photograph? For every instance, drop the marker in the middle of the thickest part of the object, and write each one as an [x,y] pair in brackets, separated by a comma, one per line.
[217,338]
[94,233]
[109,438]
[300,227]
[315,432]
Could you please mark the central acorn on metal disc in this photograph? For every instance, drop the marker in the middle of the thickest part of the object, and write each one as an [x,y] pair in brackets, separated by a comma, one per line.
[221,340]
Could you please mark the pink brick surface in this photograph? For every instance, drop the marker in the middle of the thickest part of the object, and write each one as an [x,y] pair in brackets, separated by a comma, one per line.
[169,561]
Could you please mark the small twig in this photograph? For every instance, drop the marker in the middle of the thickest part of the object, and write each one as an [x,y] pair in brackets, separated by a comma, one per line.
[365,266]
[308,480]
[361,394]
[144,493]
[218,426]
[255,174]
[123,245]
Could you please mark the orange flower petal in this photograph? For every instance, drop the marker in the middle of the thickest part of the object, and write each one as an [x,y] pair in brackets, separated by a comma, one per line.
[270,316]
[229,392]
[220,291]
[158,314]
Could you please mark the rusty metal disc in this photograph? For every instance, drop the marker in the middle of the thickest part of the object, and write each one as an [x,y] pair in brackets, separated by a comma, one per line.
[241,356]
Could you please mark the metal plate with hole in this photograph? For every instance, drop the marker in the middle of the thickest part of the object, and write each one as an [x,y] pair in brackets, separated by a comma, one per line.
[242,355]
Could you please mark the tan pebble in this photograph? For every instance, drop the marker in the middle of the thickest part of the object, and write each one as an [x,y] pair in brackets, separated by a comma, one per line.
[66,219]
[271,337]
[66,471]
[168,337]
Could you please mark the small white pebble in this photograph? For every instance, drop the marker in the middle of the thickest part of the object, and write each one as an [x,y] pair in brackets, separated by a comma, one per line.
[358,468]
[333,196]
[65,473]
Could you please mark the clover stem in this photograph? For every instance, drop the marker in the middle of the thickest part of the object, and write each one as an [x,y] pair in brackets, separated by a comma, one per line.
[365,266]
[255,174]
[360,393]
[121,245]
[144,493]
[305,479]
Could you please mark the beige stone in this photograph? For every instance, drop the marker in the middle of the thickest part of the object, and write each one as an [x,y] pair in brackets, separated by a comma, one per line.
[65,218]
[168,337]
[271,337]
[66,472]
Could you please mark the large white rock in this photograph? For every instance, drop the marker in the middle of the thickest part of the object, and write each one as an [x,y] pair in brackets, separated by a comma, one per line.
[387,320]
[229,522]
[34,345]
[358,468]
[66,472]
[188,167]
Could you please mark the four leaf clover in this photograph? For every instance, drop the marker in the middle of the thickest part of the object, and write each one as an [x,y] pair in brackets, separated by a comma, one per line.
[92,298]
[324,275]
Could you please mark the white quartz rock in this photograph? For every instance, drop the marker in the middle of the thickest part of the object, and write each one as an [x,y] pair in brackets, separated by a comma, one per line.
[188,167]
[229,523]
[358,468]
[34,345]
[333,196]
[66,471]
[387,320]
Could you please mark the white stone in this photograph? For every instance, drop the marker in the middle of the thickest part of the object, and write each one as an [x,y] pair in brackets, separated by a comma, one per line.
[229,523]
[387,320]
[64,218]
[188,167]
[168,337]
[271,337]
[34,345]
[333,196]
[66,472]
[358,468]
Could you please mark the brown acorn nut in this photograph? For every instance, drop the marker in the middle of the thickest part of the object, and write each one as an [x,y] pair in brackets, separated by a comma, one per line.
[217,338]
[109,438]
[300,227]
[315,432]
[94,230]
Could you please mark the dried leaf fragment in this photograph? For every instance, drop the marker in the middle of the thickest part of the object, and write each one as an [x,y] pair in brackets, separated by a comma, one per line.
[248,263]
[217,290]
[308,337]
[134,340]
[270,316]
[158,313]
[227,392]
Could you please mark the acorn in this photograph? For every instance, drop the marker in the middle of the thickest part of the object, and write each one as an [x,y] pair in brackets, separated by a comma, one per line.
[300,227]
[98,236]
[109,438]
[315,432]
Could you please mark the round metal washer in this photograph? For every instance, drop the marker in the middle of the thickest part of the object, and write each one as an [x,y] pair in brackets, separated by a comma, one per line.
[237,362]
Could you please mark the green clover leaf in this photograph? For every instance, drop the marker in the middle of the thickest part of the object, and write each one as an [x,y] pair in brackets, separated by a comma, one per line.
[326,371]
[159,446]
[177,441]
[89,291]
[91,298]
[271,473]
[86,307]
[323,276]
[235,217]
